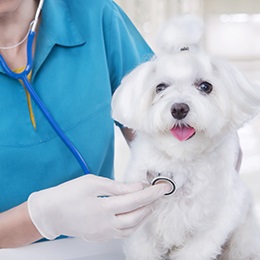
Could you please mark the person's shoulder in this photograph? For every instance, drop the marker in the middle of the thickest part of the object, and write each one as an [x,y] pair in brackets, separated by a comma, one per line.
[89,13]
[90,4]
[93,9]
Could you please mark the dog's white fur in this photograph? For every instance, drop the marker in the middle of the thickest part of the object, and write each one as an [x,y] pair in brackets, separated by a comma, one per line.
[210,216]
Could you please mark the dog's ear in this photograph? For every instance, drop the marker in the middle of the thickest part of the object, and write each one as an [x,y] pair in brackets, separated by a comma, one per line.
[133,97]
[244,95]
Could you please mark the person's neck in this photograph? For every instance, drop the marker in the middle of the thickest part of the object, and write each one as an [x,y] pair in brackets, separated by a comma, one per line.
[15,25]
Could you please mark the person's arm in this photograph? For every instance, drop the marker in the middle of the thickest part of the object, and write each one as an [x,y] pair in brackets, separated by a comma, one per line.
[91,207]
[16,228]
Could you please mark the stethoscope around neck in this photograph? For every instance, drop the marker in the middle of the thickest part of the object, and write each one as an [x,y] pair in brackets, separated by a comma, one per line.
[23,77]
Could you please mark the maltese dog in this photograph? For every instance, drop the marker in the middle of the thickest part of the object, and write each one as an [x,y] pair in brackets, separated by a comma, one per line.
[185,108]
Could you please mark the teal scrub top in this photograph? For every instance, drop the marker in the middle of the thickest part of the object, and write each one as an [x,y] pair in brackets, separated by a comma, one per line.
[83,49]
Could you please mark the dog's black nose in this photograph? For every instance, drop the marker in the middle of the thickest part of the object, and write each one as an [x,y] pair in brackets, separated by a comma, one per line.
[179,110]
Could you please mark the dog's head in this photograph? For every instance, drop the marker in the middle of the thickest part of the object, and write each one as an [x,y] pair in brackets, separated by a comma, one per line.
[185,94]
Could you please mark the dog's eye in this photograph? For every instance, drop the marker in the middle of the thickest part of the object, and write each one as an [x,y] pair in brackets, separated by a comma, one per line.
[161,87]
[205,87]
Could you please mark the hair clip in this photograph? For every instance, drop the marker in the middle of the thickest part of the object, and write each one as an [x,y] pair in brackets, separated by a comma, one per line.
[186,48]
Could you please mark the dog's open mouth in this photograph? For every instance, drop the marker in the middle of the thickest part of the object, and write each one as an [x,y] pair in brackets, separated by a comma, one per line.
[183,132]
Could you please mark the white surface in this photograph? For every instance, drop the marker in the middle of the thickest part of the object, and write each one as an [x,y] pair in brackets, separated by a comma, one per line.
[66,249]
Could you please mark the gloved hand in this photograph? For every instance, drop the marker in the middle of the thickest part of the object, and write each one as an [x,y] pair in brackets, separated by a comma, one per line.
[76,209]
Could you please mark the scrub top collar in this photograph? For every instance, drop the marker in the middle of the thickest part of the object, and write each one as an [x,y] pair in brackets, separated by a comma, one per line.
[58,26]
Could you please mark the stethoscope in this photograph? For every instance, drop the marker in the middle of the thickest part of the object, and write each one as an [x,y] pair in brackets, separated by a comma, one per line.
[175,181]
[23,77]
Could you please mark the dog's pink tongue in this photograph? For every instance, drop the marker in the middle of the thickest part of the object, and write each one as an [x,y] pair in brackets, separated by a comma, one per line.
[182,133]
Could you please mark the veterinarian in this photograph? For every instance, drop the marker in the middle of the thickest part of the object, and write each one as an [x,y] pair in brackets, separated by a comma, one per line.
[81,51]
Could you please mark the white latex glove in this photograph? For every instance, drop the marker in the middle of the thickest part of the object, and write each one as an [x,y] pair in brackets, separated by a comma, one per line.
[74,208]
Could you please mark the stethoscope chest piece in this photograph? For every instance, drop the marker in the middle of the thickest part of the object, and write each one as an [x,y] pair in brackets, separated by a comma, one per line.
[163,179]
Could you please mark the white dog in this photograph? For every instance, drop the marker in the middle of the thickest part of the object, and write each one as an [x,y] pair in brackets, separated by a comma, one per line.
[185,108]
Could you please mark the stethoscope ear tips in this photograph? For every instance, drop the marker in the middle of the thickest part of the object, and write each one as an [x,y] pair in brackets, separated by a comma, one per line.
[161,179]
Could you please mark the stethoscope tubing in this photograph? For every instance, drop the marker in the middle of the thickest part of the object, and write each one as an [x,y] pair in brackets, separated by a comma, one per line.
[28,67]
[23,77]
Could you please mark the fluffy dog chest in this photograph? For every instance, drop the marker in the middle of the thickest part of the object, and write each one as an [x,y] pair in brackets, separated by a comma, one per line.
[175,228]
[177,218]
[196,204]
